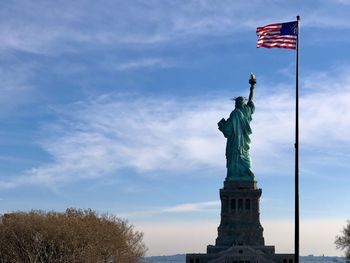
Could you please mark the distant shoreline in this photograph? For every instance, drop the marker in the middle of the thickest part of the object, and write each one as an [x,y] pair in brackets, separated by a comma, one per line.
[181,258]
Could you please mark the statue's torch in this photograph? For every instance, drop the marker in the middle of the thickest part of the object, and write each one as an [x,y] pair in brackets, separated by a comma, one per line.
[252,80]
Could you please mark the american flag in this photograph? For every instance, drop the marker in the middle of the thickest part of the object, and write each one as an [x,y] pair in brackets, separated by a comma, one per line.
[280,35]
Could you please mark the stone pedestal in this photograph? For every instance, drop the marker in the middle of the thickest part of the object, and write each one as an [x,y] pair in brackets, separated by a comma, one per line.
[240,234]
[240,216]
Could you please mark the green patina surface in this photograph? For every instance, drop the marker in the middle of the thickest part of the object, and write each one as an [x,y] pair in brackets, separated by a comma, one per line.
[237,131]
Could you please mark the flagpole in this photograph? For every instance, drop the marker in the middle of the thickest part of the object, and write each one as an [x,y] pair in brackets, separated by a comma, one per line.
[296,201]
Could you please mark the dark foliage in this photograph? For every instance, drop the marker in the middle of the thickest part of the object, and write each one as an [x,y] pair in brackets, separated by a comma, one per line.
[343,241]
[74,236]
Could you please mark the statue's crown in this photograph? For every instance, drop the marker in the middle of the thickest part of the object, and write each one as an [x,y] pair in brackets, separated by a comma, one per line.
[240,98]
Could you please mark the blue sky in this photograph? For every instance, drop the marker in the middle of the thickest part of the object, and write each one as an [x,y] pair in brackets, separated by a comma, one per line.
[114,106]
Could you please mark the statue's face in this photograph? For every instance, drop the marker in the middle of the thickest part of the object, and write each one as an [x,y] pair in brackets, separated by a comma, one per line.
[239,102]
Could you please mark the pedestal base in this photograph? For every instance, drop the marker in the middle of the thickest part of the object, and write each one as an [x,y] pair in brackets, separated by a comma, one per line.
[242,254]
[240,234]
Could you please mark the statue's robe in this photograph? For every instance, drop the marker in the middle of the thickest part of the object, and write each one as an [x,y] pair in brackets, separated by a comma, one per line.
[237,130]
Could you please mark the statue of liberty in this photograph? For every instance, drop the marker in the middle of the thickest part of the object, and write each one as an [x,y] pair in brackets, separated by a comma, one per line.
[237,130]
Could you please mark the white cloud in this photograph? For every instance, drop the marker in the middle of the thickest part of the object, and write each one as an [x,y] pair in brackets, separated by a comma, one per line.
[144,63]
[192,207]
[99,137]
[345,2]
[55,28]
[169,238]
[180,208]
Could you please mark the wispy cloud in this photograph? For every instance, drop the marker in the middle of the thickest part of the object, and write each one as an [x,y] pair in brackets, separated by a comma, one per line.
[144,63]
[99,137]
[180,208]
[55,28]
[192,207]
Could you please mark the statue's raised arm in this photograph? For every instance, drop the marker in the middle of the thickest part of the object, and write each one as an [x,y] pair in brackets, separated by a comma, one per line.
[237,130]
[252,82]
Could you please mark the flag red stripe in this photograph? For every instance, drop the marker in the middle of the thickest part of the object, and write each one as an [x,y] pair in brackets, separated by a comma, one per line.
[276,46]
[268,28]
[279,46]
[277,33]
[287,47]
[279,25]
[277,42]
[258,32]
[277,37]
